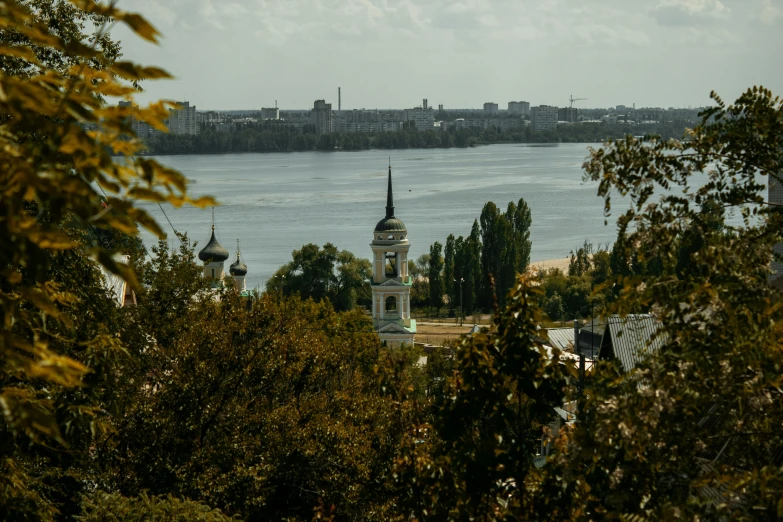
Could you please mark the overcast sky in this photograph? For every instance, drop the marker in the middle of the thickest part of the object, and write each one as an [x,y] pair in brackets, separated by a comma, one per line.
[245,54]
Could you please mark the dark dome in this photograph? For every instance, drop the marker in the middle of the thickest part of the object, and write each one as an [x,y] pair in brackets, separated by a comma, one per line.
[390,224]
[238,268]
[213,251]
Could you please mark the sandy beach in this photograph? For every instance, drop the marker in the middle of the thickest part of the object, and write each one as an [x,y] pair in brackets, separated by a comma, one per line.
[561,263]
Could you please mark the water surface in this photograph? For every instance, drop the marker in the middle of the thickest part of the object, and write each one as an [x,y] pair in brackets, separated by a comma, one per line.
[274,203]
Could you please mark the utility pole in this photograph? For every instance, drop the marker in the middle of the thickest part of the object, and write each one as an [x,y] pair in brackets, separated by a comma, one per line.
[461,280]
[581,357]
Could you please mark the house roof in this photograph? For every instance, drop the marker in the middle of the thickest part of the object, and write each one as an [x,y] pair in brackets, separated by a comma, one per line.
[562,338]
[115,285]
[631,338]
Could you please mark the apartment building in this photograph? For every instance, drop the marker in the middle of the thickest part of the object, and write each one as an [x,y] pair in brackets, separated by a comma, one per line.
[543,117]
[321,117]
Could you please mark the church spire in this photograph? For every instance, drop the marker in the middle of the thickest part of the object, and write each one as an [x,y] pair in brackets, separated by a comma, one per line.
[389,198]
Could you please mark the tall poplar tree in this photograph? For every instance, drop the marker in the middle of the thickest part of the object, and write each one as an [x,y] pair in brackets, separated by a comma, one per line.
[436,275]
[473,261]
[449,271]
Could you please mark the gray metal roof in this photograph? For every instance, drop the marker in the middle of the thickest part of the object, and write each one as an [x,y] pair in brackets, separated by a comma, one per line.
[631,338]
[562,338]
[238,267]
[214,251]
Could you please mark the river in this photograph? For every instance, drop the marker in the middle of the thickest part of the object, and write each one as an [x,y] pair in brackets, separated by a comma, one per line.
[275,203]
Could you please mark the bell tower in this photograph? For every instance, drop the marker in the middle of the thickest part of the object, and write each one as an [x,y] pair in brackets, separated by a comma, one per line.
[391,284]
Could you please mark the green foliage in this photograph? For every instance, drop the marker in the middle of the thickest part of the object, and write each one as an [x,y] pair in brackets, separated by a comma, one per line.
[275,137]
[471,461]
[584,292]
[505,249]
[419,271]
[327,273]
[699,439]
[436,275]
[448,273]
[258,413]
[104,507]
[63,185]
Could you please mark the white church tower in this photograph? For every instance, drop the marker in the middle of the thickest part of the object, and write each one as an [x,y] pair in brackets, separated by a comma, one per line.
[391,284]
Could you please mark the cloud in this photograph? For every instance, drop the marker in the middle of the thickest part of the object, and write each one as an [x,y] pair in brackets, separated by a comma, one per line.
[689,12]
[771,13]
[209,14]
[602,34]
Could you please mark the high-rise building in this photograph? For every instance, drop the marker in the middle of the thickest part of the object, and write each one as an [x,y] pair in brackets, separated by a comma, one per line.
[422,118]
[270,113]
[440,107]
[519,108]
[568,114]
[142,129]
[183,119]
[321,117]
[391,284]
[543,117]
[490,108]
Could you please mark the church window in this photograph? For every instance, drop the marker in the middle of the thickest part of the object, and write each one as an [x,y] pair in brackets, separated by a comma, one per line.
[391,237]
[391,304]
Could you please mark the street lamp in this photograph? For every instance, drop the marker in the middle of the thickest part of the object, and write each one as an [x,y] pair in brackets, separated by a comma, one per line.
[460,281]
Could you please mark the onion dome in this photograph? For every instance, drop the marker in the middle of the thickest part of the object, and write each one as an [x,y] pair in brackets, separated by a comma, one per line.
[238,268]
[390,223]
[214,251]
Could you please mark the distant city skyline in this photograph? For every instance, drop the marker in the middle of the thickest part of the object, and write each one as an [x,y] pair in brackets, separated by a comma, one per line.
[245,54]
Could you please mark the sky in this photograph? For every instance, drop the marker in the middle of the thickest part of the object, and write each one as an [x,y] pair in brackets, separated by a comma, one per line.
[247,54]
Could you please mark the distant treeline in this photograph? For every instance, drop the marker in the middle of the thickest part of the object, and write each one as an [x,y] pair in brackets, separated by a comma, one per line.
[265,139]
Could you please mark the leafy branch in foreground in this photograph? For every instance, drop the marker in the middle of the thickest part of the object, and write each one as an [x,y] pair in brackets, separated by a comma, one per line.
[63,161]
[692,433]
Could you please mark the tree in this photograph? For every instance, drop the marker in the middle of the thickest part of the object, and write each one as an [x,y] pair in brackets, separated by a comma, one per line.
[491,247]
[103,506]
[473,279]
[436,276]
[698,439]
[471,460]
[326,273]
[515,254]
[256,412]
[449,272]
[60,179]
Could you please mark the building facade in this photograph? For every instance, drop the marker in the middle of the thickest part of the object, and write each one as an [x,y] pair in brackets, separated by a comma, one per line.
[270,113]
[568,114]
[490,108]
[183,119]
[391,284]
[368,121]
[519,108]
[321,117]
[543,117]
[422,118]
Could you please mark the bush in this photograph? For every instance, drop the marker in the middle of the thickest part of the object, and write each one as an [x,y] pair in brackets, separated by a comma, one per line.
[110,507]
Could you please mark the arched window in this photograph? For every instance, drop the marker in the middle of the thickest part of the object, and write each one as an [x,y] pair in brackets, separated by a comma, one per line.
[391,264]
[391,237]
[213,273]
[391,304]
[380,237]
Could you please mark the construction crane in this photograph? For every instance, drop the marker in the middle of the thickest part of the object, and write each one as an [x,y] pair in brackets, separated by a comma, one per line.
[572,100]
